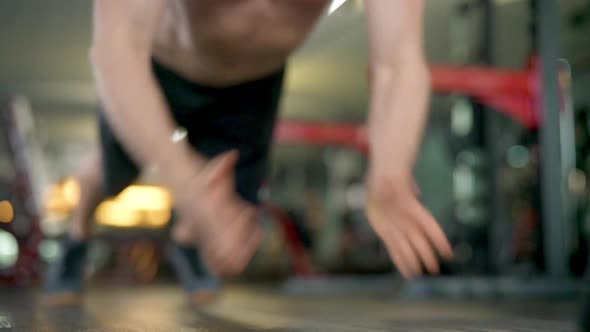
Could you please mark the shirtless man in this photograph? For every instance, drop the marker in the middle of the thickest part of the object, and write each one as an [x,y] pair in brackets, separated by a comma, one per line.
[215,68]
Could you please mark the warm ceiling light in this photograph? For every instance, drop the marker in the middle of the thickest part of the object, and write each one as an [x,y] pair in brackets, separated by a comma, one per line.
[6,212]
[143,197]
[71,191]
[137,206]
[113,213]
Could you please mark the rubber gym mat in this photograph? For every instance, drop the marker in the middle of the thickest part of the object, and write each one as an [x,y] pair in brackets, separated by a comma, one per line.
[162,308]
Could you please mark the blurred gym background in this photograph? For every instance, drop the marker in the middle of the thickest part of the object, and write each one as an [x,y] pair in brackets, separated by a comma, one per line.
[480,169]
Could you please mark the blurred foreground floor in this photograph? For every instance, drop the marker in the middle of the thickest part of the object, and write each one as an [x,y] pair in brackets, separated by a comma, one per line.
[162,308]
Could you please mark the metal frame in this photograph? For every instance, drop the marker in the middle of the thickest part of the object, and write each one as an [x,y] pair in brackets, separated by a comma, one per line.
[553,211]
[489,142]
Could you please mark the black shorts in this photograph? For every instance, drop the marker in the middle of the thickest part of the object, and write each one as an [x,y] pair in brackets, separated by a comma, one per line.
[217,120]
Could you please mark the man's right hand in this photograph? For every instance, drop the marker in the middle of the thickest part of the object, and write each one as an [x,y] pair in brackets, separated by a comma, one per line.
[223,224]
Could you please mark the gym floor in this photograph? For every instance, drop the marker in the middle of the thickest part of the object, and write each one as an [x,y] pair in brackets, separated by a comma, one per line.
[246,308]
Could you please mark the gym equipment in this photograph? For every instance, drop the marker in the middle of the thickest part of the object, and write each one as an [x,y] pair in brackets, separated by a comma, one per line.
[532,97]
[22,190]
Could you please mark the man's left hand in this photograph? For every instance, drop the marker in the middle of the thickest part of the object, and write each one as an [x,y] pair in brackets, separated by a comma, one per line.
[412,236]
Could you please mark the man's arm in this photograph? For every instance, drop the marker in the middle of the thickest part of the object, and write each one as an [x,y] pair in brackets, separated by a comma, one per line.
[400,89]
[121,56]
[399,80]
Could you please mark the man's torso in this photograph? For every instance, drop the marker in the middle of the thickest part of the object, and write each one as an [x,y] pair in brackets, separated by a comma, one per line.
[225,42]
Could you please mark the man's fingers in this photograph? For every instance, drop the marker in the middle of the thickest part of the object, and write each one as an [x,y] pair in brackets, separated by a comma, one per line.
[239,250]
[400,250]
[234,232]
[410,256]
[424,250]
[245,251]
[399,261]
[415,239]
[241,254]
[222,167]
[418,239]
[428,225]
[404,251]
[224,248]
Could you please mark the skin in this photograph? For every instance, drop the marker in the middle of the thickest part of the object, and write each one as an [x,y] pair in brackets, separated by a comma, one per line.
[224,42]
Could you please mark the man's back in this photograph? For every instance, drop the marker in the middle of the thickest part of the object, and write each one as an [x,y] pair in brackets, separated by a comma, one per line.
[224,42]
